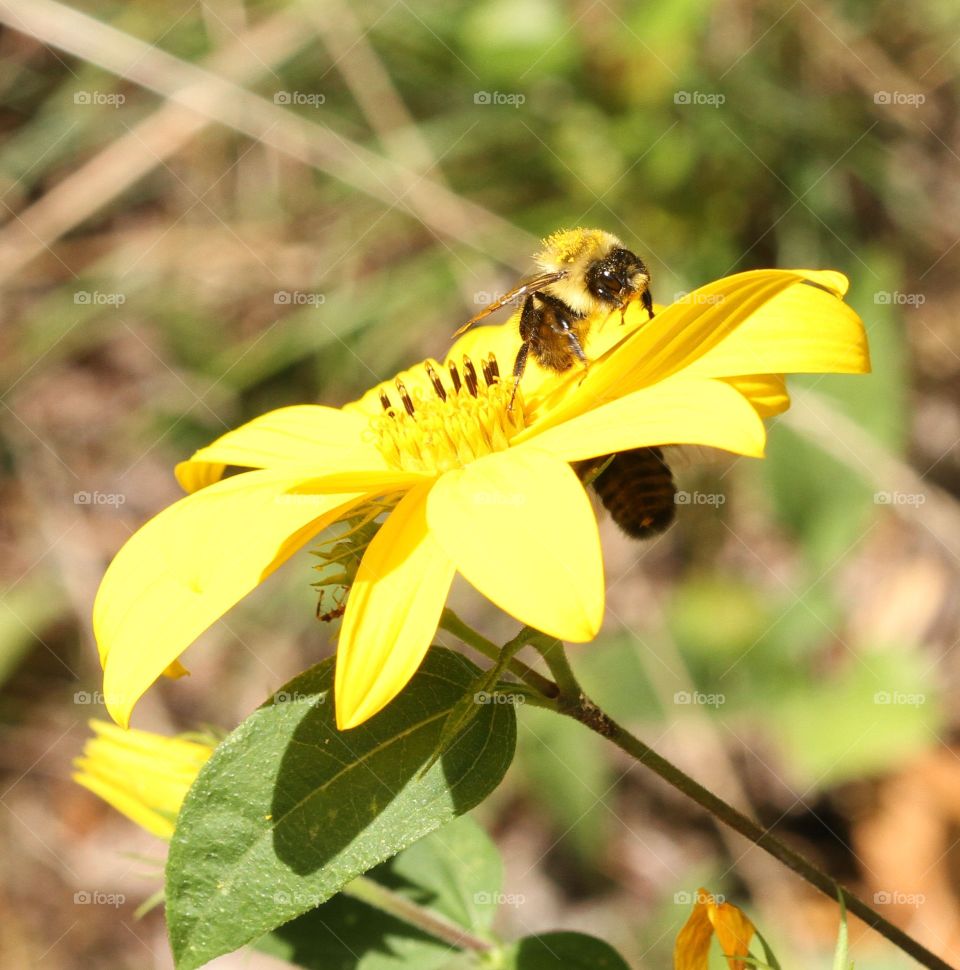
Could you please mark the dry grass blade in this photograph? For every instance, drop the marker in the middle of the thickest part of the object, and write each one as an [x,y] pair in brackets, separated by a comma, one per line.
[840,436]
[118,166]
[219,99]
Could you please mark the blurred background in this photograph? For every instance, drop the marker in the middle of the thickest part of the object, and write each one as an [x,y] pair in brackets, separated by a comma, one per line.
[218,207]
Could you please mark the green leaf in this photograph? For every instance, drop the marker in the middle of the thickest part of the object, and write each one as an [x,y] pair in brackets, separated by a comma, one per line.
[841,956]
[771,960]
[288,809]
[345,934]
[455,872]
[569,951]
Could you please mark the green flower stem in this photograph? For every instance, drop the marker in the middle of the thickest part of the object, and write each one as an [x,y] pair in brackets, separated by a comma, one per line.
[555,656]
[393,904]
[452,623]
[587,713]
[568,698]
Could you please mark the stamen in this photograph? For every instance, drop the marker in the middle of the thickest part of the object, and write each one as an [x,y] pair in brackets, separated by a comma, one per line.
[455,377]
[439,432]
[437,383]
[405,397]
[487,373]
[470,376]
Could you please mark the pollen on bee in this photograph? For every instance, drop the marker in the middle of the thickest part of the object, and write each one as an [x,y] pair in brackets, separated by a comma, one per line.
[446,423]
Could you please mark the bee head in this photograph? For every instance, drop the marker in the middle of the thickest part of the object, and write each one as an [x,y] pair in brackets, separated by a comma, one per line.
[616,278]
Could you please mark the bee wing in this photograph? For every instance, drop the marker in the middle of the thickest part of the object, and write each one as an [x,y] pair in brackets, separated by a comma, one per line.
[522,289]
[685,457]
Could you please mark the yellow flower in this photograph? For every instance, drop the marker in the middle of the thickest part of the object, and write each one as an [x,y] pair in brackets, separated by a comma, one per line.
[731,926]
[474,487]
[145,776]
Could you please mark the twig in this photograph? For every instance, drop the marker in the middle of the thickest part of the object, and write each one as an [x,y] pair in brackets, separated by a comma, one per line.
[393,904]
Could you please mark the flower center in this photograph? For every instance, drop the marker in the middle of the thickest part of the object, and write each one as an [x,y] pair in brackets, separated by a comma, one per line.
[445,425]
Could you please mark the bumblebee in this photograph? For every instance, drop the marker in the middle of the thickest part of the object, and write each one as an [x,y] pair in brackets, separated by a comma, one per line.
[583,273]
[636,487]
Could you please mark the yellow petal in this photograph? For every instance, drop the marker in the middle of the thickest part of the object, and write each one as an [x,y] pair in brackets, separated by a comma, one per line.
[194,475]
[303,436]
[691,951]
[147,817]
[176,670]
[188,565]
[801,329]
[766,392]
[761,322]
[676,411]
[519,526]
[392,612]
[143,775]
[734,932]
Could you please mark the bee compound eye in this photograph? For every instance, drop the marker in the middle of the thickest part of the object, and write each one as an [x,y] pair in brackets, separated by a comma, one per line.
[612,283]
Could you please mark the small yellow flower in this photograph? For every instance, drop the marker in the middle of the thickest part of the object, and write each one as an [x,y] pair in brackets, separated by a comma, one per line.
[731,926]
[475,487]
[145,776]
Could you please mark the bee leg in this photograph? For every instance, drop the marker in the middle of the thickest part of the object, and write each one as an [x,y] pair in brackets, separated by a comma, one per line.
[528,328]
[519,366]
[647,300]
[577,349]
